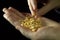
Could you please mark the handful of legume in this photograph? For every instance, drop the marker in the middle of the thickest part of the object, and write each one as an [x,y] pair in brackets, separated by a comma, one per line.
[31,23]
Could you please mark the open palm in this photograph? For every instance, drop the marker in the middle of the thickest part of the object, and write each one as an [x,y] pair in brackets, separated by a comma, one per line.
[50,30]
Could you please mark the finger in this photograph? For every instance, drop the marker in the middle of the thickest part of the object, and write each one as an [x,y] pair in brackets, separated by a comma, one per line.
[34,4]
[44,10]
[10,16]
[6,16]
[11,13]
[5,10]
[51,5]
[30,7]
[33,10]
[16,12]
[12,19]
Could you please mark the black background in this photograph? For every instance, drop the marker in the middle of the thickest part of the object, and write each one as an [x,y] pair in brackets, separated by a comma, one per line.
[7,31]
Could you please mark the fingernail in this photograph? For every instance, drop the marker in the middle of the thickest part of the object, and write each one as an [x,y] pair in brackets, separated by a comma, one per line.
[5,10]
[10,8]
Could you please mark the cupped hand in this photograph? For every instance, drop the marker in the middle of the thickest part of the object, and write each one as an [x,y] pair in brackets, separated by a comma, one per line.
[50,30]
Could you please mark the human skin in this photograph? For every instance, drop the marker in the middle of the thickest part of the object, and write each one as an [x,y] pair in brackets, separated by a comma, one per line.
[49,31]
[51,4]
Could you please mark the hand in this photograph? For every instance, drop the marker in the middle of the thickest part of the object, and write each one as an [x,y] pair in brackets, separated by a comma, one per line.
[51,4]
[50,29]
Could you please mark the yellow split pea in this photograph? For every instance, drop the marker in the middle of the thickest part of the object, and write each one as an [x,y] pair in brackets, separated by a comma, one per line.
[31,23]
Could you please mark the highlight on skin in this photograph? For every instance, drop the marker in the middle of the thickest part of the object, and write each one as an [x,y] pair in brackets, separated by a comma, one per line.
[50,30]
